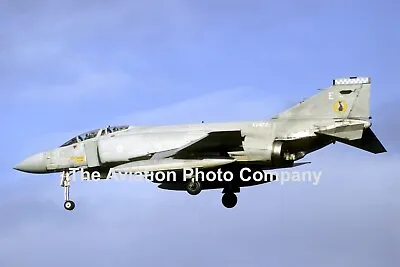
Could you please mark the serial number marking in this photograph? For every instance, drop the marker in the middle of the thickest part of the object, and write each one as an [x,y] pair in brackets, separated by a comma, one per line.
[260,124]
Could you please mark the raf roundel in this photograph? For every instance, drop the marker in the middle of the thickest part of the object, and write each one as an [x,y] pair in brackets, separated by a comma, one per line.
[340,106]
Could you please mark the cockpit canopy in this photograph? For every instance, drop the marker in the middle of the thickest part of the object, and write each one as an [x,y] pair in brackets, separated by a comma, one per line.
[94,133]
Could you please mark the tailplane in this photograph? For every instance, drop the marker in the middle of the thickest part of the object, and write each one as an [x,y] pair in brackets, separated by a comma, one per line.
[367,140]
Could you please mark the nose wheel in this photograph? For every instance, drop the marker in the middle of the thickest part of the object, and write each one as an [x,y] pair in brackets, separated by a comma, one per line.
[69,205]
[66,183]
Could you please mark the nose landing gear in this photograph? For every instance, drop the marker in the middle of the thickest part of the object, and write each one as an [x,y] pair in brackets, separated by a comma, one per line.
[69,205]
[66,183]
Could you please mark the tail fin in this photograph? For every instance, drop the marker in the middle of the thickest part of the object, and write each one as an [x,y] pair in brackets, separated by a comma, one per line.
[346,98]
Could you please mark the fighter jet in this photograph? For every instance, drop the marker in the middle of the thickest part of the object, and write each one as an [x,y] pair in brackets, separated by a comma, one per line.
[338,113]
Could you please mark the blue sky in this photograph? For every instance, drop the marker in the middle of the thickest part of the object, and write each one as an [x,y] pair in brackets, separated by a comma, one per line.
[72,67]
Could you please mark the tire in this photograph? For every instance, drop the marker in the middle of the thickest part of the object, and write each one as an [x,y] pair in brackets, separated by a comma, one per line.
[69,205]
[229,200]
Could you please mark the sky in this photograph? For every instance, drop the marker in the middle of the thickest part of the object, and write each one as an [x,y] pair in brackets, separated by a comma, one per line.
[66,68]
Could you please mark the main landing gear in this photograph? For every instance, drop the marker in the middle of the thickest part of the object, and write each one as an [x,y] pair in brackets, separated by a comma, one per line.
[66,183]
[229,199]
[193,187]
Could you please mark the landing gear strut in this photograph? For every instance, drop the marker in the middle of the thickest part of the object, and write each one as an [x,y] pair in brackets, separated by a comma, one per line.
[66,183]
[229,200]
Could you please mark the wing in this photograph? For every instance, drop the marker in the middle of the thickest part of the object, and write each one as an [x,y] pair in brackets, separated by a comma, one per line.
[208,151]
[211,144]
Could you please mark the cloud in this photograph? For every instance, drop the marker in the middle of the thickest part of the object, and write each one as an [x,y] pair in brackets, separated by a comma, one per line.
[57,56]
[384,126]
[59,47]
[242,103]
[346,214]
[88,86]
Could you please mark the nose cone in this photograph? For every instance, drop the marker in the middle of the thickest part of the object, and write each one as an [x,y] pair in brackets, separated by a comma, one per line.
[33,164]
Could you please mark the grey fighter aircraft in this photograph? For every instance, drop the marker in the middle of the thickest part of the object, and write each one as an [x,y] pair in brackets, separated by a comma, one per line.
[339,113]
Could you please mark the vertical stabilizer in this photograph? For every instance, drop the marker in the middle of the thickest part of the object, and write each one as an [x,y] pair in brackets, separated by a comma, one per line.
[346,98]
